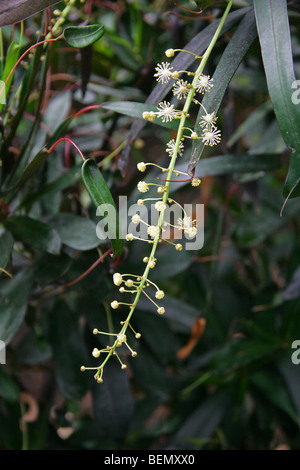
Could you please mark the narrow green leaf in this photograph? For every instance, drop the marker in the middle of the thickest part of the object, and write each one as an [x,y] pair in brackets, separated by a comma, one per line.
[33,232]
[227,66]
[83,36]
[6,246]
[113,404]
[290,373]
[275,40]
[273,387]
[74,231]
[10,60]
[48,268]
[254,164]
[204,420]
[33,166]
[64,181]
[101,197]
[14,295]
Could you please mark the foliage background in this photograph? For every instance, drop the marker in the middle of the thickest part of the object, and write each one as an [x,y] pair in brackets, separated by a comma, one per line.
[215,372]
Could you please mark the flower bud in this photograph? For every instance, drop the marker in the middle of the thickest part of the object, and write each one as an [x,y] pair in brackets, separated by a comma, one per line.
[159,294]
[117,279]
[96,352]
[170,52]
[142,187]
[196,181]
[141,166]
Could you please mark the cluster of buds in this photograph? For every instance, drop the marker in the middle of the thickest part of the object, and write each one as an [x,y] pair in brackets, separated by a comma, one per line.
[137,285]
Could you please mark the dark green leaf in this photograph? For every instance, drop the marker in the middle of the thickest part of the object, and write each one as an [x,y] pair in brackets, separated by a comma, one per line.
[49,268]
[74,231]
[14,295]
[273,387]
[83,36]
[6,246]
[275,40]
[101,197]
[227,66]
[68,351]
[62,182]
[171,264]
[231,165]
[14,11]
[33,166]
[290,373]
[113,403]
[203,421]
[34,233]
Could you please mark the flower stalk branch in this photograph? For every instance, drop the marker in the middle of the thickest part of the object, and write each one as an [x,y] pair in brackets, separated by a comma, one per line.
[210,136]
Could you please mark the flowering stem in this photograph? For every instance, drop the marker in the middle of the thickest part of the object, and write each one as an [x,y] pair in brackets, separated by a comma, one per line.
[189,99]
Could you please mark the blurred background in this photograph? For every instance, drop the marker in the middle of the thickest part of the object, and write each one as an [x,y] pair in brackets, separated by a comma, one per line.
[214,372]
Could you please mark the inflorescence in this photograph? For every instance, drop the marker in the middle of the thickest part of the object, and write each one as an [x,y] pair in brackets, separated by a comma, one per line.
[137,285]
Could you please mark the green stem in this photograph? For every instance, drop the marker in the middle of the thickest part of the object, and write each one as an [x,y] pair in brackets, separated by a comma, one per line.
[181,126]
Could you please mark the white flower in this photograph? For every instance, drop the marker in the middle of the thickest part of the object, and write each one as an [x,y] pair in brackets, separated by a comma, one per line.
[171,148]
[153,231]
[160,206]
[181,89]
[117,279]
[191,232]
[141,166]
[164,72]
[211,137]
[136,219]
[142,187]
[96,352]
[203,83]
[167,112]
[188,226]
[208,120]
